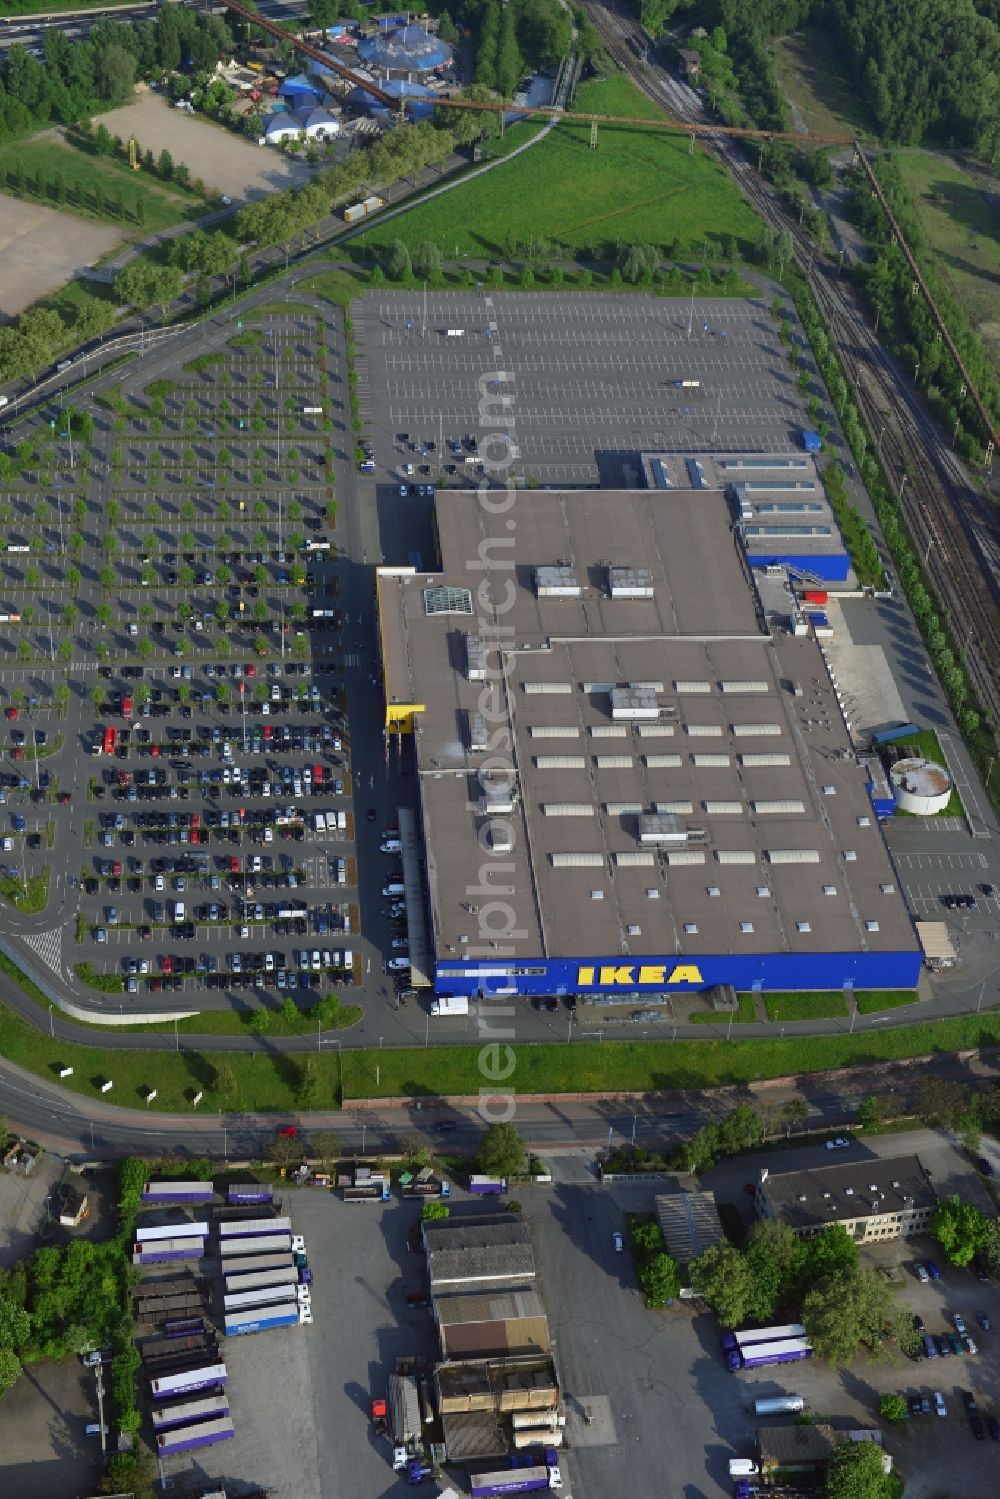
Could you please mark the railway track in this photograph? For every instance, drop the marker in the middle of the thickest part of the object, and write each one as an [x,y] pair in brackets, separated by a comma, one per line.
[951,523]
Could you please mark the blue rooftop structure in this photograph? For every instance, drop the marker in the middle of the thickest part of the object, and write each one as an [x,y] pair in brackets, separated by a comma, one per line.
[300,91]
[810,440]
[407,49]
[398,88]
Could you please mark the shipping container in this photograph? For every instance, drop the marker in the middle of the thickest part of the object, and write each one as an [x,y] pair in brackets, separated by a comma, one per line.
[178,1192]
[254,1226]
[249,1192]
[203,1434]
[285,1314]
[166,1416]
[237,1283]
[255,1244]
[191,1343]
[172,1231]
[816,596]
[188,1379]
[176,1285]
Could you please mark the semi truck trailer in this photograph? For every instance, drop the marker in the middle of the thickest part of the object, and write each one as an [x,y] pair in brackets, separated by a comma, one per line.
[172,1231]
[187,1192]
[209,1407]
[262,1278]
[250,1263]
[167,1251]
[779,1405]
[188,1380]
[544,1475]
[760,1355]
[256,1244]
[285,1314]
[241,1193]
[251,1227]
[487,1186]
[203,1434]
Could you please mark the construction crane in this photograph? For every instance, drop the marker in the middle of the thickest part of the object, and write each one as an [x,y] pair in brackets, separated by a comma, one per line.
[523,111]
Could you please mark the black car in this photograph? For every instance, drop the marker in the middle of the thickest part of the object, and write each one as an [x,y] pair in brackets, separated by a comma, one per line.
[916,1408]
[918,1322]
[444,1126]
[969,1401]
[993,1426]
[977,1428]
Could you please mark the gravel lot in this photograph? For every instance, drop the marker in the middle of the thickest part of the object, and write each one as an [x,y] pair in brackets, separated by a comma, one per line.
[41,250]
[222,160]
[42,1442]
[22,1208]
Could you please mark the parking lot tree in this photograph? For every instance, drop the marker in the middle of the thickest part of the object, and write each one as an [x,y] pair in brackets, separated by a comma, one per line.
[104,615]
[893,1408]
[856,1471]
[97,699]
[260,645]
[726,1281]
[847,1310]
[102,651]
[501,1152]
[960,1229]
[10,1369]
[23,650]
[107,576]
[415,1149]
[185,573]
[326,1147]
[61,697]
[871,1111]
[286,1149]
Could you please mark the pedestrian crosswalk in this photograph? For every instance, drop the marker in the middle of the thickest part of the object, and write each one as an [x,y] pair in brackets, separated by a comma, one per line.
[48,945]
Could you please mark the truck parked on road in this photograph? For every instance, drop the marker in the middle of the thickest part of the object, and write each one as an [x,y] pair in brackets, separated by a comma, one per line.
[487,1186]
[455,1004]
[543,1475]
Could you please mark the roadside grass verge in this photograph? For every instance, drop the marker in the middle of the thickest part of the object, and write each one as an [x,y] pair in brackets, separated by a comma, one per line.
[821,1005]
[746,1013]
[872,1001]
[265,1080]
[636,187]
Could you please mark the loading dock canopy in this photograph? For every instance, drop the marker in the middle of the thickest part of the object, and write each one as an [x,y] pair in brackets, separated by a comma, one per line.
[935,944]
[416,915]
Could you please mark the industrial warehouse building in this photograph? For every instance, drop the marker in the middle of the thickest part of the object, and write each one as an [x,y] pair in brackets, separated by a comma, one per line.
[630,783]
[873,1200]
[496,1359]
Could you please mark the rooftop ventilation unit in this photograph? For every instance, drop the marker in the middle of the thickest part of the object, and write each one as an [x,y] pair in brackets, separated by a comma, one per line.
[547,689]
[655,730]
[703,730]
[787,804]
[501,837]
[567,809]
[792,855]
[623,809]
[710,762]
[764,757]
[475,658]
[577,861]
[661,762]
[748,686]
[554,731]
[560,762]
[756,730]
[735,856]
[613,762]
[497,797]
[608,731]
[684,686]
[676,809]
[635,857]
[723,809]
[678,857]
[479,740]
[658,827]
[630,582]
[557,583]
[630,704]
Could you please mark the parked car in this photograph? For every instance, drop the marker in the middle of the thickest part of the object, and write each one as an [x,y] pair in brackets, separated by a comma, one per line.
[939,1404]
[618,1242]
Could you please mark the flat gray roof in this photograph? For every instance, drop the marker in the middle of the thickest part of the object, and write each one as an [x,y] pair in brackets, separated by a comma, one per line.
[855,1189]
[775,847]
[689,1223]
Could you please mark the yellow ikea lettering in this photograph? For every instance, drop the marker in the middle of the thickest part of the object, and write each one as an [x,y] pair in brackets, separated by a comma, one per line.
[649,974]
[685,975]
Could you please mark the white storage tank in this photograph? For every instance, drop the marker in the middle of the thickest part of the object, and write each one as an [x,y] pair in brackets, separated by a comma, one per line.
[920,787]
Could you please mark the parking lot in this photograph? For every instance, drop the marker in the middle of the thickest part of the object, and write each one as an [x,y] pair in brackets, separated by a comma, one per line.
[582,384]
[178,665]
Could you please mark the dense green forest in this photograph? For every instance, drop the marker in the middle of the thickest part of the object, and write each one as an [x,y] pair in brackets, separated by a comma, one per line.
[927,69]
[79,78]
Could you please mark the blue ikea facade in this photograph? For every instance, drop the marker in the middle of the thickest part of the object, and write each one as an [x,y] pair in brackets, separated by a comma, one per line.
[671,974]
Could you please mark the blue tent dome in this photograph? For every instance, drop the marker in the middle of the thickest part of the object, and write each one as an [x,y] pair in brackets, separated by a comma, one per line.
[408,49]
[398,88]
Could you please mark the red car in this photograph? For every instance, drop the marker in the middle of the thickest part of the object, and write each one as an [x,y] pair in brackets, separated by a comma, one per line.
[65,797]
[17,754]
[250,669]
[12,714]
[154,750]
[116,867]
[167,964]
[289,1132]
[234,864]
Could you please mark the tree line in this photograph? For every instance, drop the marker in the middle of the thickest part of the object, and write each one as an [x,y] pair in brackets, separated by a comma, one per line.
[925,69]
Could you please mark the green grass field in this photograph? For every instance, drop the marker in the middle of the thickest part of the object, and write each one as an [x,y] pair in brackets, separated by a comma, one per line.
[746,1013]
[638,186]
[825,100]
[957,212]
[873,1001]
[45,156]
[821,1005]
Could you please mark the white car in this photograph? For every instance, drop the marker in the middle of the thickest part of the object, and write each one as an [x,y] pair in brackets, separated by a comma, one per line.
[397,965]
[839,1143]
[618,1242]
[939,1404]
